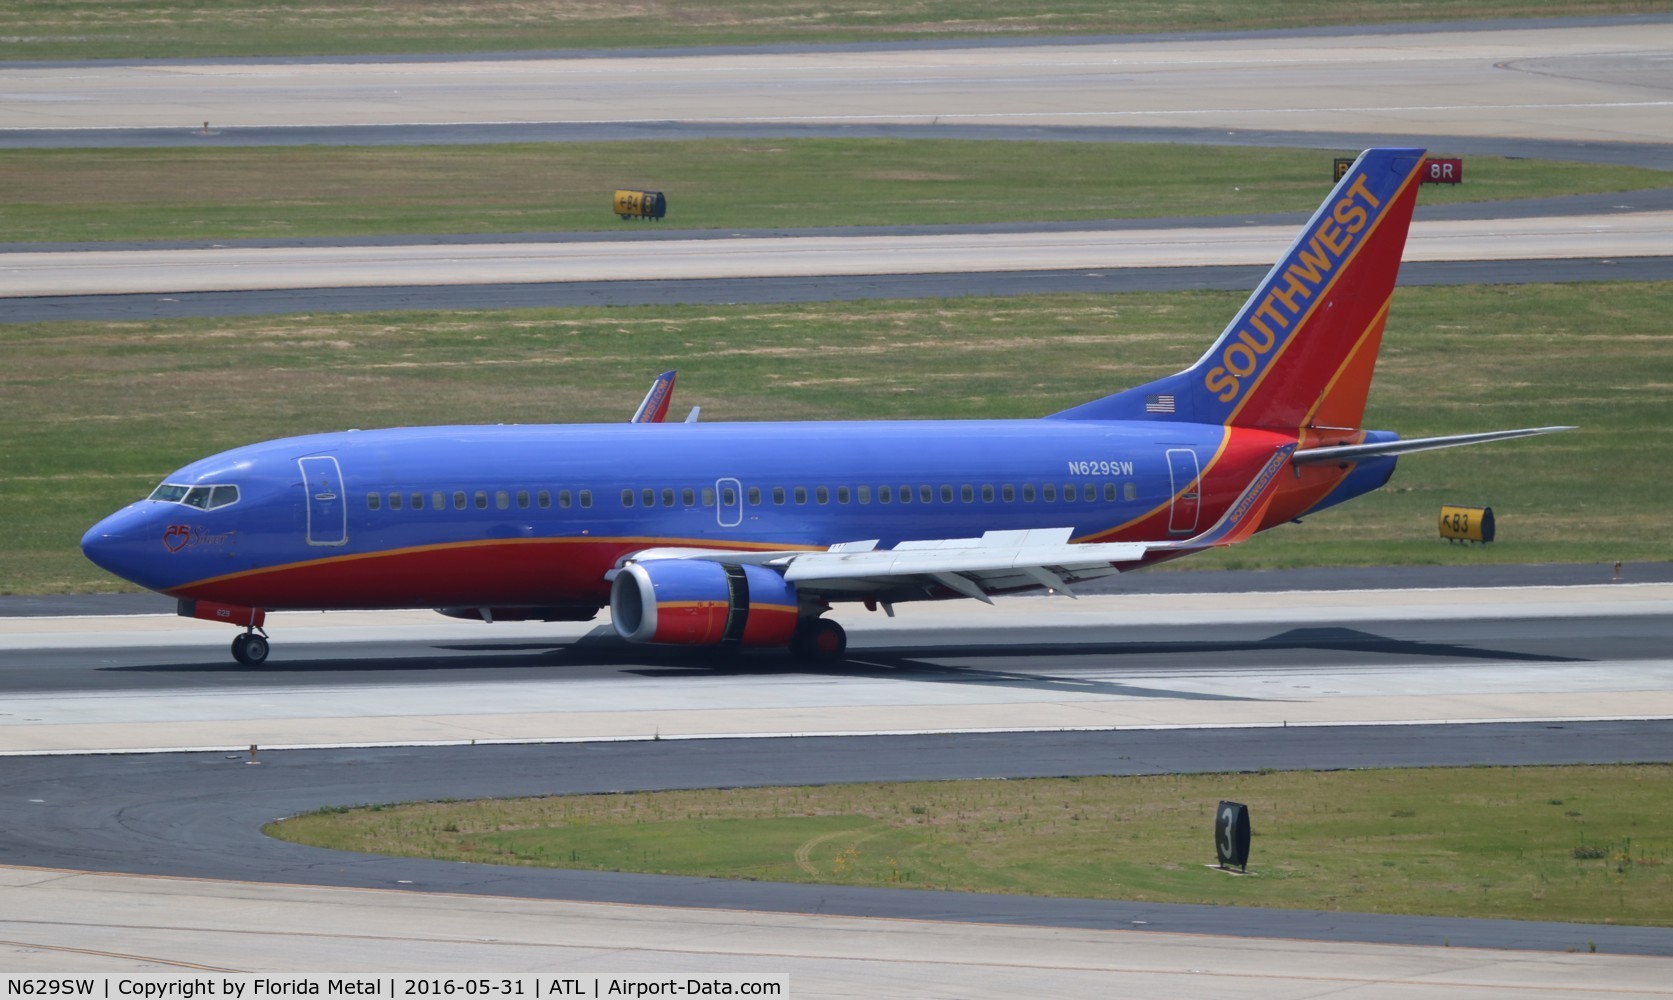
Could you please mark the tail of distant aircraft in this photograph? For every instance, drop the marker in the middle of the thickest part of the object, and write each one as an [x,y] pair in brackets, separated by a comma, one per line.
[1300,352]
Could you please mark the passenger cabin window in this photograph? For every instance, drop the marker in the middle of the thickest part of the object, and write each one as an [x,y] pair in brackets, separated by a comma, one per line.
[1089,493]
[967,493]
[885,494]
[668,498]
[822,494]
[778,495]
[688,496]
[417,501]
[1008,493]
[1027,492]
[946,494]
[755,496]
[438,500]
[862,494]
[563,499]
[925,494]
[627,498]
[481,499]
[544,499]
[1109,492]
[522,499]
[394,501]
[586,498]
[801,494]
[459,500]
[1129,491]
[373,501]
[1048,493]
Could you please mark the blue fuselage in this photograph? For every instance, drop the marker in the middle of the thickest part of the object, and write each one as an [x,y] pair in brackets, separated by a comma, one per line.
[601,490]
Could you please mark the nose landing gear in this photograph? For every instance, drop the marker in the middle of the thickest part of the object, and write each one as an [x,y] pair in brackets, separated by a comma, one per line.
[250,648]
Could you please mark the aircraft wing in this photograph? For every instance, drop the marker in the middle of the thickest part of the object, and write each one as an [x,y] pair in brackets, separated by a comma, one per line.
[995,562]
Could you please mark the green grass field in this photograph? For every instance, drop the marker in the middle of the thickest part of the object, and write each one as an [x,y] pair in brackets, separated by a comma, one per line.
[1590,844]
[150,29]
[95,414]
[148,194]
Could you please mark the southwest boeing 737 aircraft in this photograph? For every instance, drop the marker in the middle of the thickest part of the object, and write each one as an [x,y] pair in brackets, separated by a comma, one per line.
[746,534]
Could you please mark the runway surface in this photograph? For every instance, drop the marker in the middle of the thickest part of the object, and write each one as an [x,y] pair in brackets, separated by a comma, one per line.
[162,682]
[1199,681]
[1601,82]
[237,268]
[546,295]
[198,815]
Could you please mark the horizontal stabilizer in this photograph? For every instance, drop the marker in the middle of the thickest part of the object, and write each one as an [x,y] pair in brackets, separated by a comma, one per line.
[1355,452]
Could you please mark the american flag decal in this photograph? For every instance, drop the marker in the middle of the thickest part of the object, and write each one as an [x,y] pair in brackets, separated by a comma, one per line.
[1159,404]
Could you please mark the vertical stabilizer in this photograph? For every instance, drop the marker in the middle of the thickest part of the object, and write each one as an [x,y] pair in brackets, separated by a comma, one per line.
[1301,350]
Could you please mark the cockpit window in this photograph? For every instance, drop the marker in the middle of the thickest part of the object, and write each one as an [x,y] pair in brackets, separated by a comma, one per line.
[201,497]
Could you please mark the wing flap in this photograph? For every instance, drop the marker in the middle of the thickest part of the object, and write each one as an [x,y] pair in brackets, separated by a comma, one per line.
[983,555]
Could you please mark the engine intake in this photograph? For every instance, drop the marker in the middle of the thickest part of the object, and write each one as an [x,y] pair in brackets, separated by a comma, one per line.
[693,602]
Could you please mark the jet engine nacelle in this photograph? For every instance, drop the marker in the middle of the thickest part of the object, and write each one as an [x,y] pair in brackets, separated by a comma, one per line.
[693,602]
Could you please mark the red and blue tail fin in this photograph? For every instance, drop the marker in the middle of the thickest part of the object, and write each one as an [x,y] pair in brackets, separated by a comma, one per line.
[655,405]
[1301,350]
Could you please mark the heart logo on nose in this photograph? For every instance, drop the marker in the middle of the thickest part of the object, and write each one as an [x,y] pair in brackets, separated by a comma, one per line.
[176,537]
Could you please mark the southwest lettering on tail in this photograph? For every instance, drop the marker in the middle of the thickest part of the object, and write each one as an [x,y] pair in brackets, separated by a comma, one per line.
[1290,297]
[746,534]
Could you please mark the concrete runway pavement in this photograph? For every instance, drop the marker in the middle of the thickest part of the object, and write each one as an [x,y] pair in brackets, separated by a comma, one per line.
[238,268]
[1602,81]
[92,923]
[1029,663]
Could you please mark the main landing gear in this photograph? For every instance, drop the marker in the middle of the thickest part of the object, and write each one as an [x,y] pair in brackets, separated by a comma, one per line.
[819,639]
[250,647]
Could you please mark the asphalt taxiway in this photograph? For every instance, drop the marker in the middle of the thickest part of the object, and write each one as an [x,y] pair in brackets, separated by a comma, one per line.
[200,816]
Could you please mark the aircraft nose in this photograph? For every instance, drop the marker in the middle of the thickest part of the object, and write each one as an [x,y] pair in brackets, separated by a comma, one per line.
[114,545]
